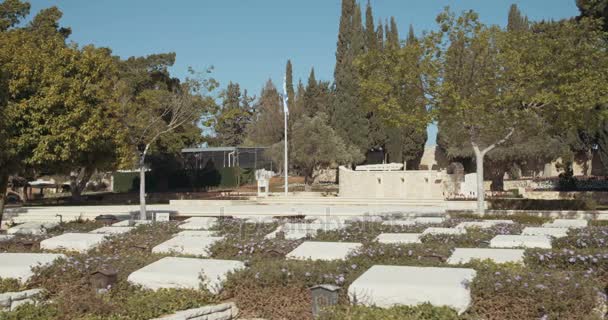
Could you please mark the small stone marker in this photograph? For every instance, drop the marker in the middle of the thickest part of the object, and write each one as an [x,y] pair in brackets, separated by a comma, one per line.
[19,265]
[388,286]
[172,272]
[79,242]
[520,241]
[429,220]
[107,219]
[112,230]
[198,223]
[162,217]
[327,251]
[198,246]
[103,278]
[553,232]
[399,238]
[323,296]
[567,223]
[9,301]
[448,231]
[465,255]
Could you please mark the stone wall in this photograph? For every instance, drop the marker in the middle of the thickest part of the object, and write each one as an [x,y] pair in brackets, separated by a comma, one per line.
[224,311]
[418,185]
[601,197]
[11,300]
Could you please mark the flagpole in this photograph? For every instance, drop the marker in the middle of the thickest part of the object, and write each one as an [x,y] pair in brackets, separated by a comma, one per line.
[285,112]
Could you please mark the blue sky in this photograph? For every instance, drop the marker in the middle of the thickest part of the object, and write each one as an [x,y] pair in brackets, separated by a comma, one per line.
[250,41]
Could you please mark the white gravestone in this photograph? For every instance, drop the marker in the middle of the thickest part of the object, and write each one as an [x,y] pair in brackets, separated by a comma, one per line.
[465,255]
[388,286]
[567,223]
[32,228]
[186,273]
[197,233]
[429,220]
[262,177]
[399,238]
[447,231]
[399,223]
[469,187]
[198,223]
[112,230]
[162,217]
[19,265]
[485,224]
[520,241]
[79,242]
[196,246]
[326,251]
[553,232]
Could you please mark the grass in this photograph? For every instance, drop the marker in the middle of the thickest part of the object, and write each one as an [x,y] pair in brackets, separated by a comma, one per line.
[567,282]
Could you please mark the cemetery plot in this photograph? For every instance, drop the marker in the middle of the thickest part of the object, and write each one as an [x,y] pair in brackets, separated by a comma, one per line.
[521,241]
[402,238]
[32,228]
[553,232]
[19,265]
[80,242]
[197,246]
[567,223]
[323,250]
[465,255]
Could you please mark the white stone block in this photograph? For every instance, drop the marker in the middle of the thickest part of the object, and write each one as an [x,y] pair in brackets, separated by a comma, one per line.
[112,230]
[224,311]
[260,219]
[295,231]
[162,217]
[553,232]
[399,223]
[366,218]
[520,241]
[387,286]
[315,250]
[198,246]
[127,223]
[567,223]
[399,238]
[198,223]
[465,255]
[79,242]
[197,233]
[429,220]
[448,231]
[19,265]
[32,228]
[485,224]
[172,272]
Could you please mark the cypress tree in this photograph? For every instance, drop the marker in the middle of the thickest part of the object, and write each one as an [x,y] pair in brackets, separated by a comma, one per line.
[371,41]
[289,84]
[380,35]
[348,117]
[394,34]
[310,95]
[517,21]
[411,36]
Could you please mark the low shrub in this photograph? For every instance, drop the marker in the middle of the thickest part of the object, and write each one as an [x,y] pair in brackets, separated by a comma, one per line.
[10,285]
[474,238]
[419,312]
[590,237]
[521,218]
[537,204]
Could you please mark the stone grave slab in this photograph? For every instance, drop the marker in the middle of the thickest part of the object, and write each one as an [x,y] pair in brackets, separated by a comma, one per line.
[367,218]
[429,220]
[32,228]
[80,242]
[316,250]
[448,231]
[19,265]
[482,224]
[198,223]
[261,219]
[112,230]
[173,272]
[127,223]
[553,232]
[567,223]
[465,255]
[294,231]
[399,223]
[520,241]
[6,237]
[198,246]
[399,238]
[197,233]
[387,286]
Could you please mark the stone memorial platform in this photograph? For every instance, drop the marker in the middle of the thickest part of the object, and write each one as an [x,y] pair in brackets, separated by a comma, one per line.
[79,242]
[197,233]
[19,265]
[520,241]
[172,272]
[387,286]
[465,255]
[485,224]
[399,238]
[316,250]
[197,246]
[553,232]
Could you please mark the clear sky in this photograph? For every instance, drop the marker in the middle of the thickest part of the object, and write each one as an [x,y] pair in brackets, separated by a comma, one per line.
[249,41]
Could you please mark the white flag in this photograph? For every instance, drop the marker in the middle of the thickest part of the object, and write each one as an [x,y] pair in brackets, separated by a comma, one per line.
[285,97]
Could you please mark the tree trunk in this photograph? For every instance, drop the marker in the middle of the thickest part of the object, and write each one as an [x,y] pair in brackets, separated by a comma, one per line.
[142,188]
[479,155]
[78,182]
[3,187]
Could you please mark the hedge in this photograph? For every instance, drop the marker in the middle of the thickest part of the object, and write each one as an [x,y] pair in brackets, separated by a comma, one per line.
[538,204]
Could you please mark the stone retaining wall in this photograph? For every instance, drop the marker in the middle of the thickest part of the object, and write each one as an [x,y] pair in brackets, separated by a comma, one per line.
[11,300]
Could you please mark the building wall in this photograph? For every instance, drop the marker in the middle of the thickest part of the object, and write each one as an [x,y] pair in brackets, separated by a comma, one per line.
[419,185]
